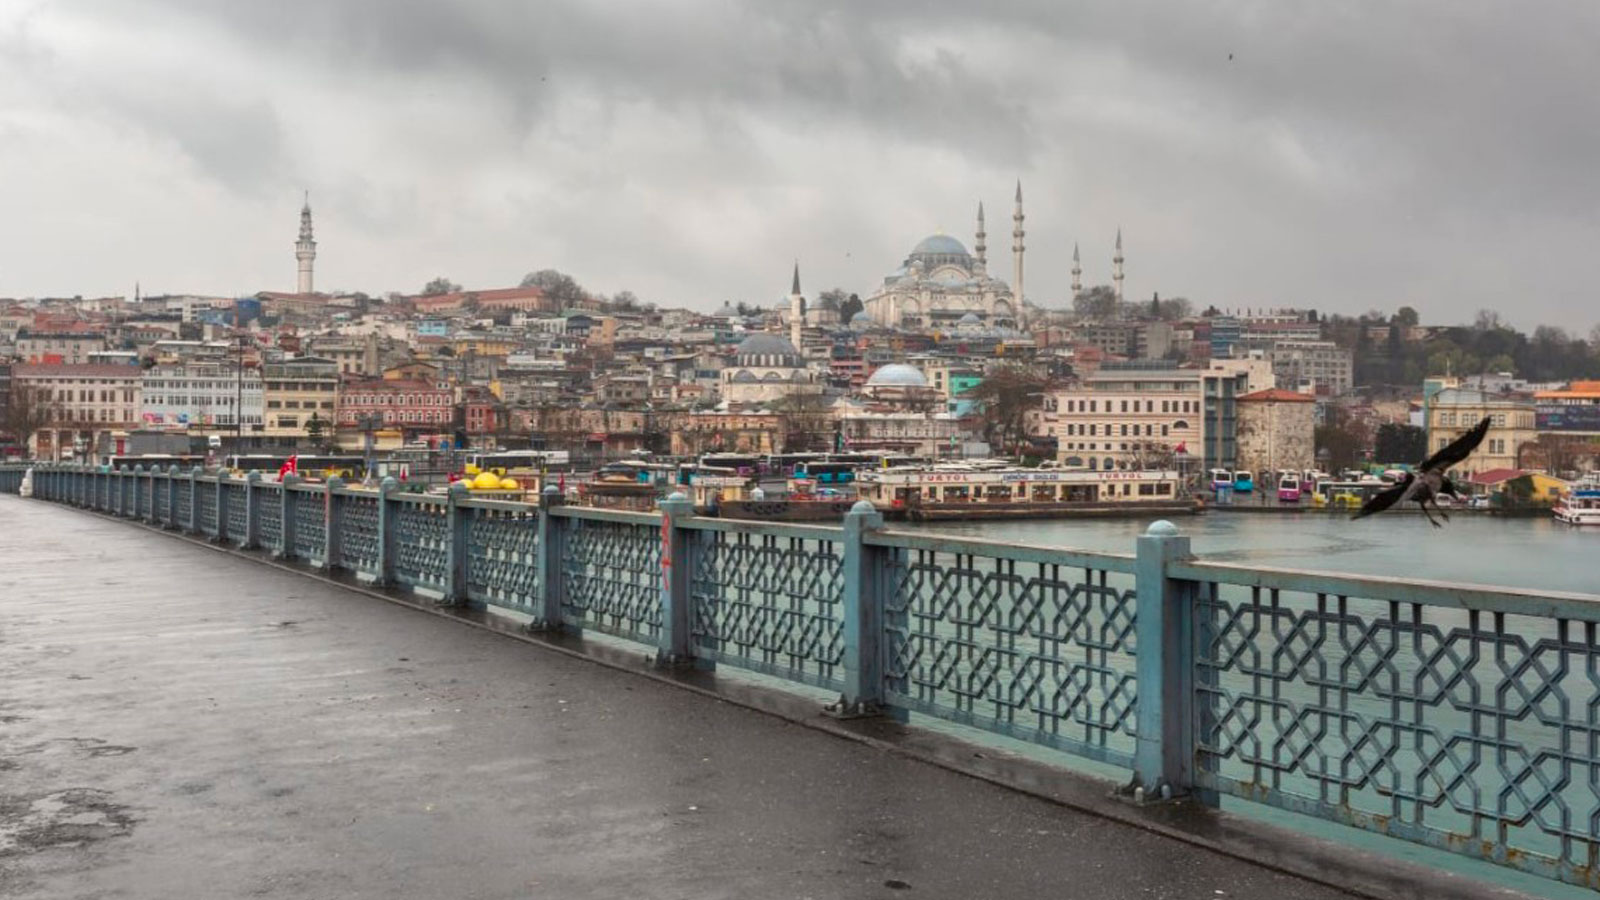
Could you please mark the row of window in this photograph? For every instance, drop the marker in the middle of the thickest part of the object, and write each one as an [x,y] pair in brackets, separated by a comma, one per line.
[1448,419]
[1167,406]
[397,400]
[296,404]
[1094,429]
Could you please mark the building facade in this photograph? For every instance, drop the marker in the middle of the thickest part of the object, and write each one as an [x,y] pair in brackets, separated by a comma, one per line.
[69,347]
[296,391]
[1454,411]
[75,404]
[1275,431]
[409,405]
[1147,414]
[766,368]
[201,395]
[1321,366]
[938,284]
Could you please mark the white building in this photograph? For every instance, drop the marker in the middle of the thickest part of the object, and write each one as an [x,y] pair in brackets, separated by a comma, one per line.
[940,283]
[201,394]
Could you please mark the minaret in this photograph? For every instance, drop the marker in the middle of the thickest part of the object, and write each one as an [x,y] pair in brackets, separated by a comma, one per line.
[981,247]
[1016,250]
[1116,267]
[797,309]
[1077,271]
[305,249]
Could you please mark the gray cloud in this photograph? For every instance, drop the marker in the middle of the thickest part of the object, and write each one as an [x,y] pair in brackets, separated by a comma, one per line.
[1348,156]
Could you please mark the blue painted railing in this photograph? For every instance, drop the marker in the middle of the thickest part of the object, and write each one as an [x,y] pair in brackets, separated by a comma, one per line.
[1461,717]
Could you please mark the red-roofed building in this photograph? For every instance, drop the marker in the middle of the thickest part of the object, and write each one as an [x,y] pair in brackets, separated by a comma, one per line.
[407,404]
[1275,431]
[517,299]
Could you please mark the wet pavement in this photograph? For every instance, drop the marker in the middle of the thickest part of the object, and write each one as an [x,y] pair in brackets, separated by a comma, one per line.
[180,722]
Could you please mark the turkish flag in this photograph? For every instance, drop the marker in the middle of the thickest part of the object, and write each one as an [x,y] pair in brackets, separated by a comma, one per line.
[291,466]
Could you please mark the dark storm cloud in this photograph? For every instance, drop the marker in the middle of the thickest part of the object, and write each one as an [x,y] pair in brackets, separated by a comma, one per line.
[1347,156]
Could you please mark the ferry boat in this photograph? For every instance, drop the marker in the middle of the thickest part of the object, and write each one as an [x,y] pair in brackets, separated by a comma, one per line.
[929,493]
[1582,505]
[736,497]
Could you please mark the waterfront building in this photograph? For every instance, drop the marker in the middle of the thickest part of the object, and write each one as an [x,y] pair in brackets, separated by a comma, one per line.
[211,394]
[1572,410]
[1275,431]
[78,403]
[1146,412]
[1451,412]
[294,391]
[935,435]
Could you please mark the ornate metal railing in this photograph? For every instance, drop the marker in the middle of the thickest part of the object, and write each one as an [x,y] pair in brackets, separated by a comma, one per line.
[1460,717]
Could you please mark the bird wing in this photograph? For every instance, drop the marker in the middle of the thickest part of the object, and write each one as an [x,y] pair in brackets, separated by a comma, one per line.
[1382,500]
[1458,449]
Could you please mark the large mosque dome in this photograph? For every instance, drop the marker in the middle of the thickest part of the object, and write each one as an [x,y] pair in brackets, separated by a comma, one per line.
[766,348]
[898,375]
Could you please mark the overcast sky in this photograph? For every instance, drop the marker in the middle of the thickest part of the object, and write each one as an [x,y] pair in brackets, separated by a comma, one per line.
[1345,156]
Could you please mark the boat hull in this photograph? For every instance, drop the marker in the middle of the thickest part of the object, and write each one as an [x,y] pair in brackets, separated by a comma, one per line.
[945,512]
[784,510]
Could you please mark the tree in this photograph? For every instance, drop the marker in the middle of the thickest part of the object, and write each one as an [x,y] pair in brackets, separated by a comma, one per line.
[29,409]
[1175,308]
[1406,316]
[1004,397]
[317,431]
[1487,320]
[853,305]
[440,285]
[625,300]
[559,287]
[1398,443]
[807,422]
[833,298]
[1096,303]
[1343,437]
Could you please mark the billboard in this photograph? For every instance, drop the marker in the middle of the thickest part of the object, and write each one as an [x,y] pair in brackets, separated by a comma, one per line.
[1566,417]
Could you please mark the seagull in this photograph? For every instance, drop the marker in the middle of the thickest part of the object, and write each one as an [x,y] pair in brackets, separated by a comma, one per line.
[1426,484]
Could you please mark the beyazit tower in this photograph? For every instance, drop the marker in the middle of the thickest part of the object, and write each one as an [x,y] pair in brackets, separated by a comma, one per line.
[305,250]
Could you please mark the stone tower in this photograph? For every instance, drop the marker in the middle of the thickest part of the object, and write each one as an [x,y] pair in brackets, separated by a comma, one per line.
[980,247]
[1016,251]
[1116,267]
[305,250]
[797,309]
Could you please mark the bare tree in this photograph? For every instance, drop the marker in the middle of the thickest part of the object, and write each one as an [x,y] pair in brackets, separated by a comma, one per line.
[1005,396]
[31,408]
[806,421]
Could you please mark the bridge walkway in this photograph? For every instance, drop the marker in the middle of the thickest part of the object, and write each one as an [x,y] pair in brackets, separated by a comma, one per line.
[181,722]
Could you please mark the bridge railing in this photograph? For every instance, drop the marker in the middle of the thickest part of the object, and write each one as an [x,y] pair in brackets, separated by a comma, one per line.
[1457,716]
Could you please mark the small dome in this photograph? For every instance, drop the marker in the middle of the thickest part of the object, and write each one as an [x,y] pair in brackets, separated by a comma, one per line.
[898,375]
[971,319]
[940,245]
[766,344]
[861,318]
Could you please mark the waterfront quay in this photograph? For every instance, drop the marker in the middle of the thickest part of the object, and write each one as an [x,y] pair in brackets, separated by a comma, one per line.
[323,735]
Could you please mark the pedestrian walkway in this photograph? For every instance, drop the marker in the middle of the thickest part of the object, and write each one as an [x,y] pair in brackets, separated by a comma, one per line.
[251,732]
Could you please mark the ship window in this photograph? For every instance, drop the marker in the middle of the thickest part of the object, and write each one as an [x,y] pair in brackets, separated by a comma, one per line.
[956,493]
[1164,487]
[1044,492]
[1147,490]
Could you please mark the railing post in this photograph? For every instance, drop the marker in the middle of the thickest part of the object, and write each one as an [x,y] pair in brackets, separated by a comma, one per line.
[551,536]
[194,500]
[455,583]
[676,646]
[222,510]
[388,514]
[252,511]
[1164,746]
[286,522]
[864,574]
[150,496]
[332,517]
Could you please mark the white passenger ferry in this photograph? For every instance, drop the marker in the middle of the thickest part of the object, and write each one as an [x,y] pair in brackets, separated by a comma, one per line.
[956,491]
[1582,505]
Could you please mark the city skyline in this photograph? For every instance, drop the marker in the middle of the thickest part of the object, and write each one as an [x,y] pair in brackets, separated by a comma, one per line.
[1272,158]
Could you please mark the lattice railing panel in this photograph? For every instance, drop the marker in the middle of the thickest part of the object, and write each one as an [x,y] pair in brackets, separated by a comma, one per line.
[1039,651]
[1453,727]
[422,545]
[770,603]
[503,558]
[359,538]
[208,507]
[310,526]
[611,575]
[237,514]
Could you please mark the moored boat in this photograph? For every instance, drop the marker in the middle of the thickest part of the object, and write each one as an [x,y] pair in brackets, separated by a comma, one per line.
[970,492]
[1581,506]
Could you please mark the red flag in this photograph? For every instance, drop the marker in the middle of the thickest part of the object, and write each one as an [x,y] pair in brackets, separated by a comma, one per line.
[291,466]
[1182,448]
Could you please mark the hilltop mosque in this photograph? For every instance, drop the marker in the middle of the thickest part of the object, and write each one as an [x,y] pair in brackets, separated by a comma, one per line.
[941,285]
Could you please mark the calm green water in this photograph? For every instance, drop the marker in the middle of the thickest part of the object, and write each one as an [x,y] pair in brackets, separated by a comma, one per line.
[1527,553]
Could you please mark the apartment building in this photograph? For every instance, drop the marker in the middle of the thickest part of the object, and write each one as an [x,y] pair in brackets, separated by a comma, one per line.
[295,391]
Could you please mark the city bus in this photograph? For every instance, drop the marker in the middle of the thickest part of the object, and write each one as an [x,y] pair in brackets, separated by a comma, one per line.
[307,465]
[829,471]
[1243,482]
[746,464]
[511,462]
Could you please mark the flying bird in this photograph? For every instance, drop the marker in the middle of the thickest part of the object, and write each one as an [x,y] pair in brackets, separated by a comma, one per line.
[1428,481]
